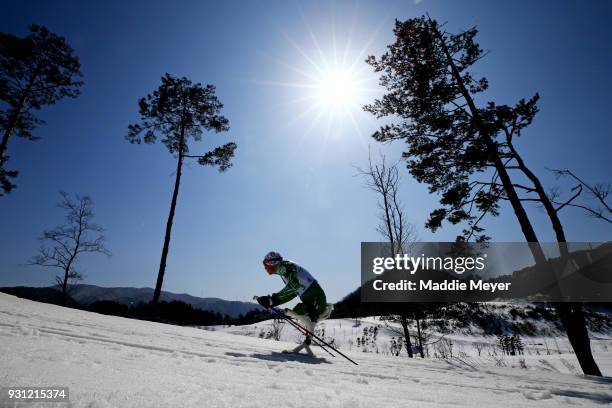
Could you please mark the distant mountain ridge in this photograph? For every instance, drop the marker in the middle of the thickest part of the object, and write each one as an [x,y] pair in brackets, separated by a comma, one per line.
[88,294]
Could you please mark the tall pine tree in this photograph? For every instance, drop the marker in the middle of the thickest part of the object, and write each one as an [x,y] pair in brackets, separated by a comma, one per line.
[178,111]
[451,142]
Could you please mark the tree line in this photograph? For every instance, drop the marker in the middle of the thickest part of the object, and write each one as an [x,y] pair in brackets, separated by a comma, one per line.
[175,312]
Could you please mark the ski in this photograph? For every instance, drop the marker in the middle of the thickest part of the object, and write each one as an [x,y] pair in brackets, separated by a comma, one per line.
[308,332]
[301,329]
[298,349]
[297,326]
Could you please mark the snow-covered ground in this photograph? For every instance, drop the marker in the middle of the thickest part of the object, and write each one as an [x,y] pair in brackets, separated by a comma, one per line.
[114,362]
[467,347]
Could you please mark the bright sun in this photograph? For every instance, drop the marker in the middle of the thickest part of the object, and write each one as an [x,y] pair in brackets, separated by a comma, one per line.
[337,87]
[330,84]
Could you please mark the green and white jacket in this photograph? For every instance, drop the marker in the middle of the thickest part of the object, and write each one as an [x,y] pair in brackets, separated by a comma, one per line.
[297,281]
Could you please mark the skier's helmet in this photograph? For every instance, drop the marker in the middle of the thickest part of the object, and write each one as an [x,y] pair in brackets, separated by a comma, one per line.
[272,258]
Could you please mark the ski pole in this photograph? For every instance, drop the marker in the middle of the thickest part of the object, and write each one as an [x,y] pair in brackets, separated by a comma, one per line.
[299,328]
[314,335]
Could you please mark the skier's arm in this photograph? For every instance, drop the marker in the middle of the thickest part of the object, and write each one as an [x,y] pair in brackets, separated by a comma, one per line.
[285,294]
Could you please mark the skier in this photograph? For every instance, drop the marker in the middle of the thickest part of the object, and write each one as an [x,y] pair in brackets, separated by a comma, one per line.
[298,282]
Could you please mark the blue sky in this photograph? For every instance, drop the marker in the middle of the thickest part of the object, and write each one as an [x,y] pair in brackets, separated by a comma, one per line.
[293,186]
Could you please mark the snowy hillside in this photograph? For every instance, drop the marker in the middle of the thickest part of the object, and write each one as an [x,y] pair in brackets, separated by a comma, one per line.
[465,346]
[115,362]
[465,334]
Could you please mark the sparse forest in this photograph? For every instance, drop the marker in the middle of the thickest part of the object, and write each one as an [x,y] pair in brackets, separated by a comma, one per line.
[459,151]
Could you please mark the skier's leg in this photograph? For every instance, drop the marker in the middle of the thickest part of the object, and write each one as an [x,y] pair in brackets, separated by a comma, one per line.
[300,312]
[303,312]
[315,302]
[313,305]
[307,347]
[304,345]
[329,308]
[312,312]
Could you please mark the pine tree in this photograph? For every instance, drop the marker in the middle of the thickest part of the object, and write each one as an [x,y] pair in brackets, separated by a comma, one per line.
[37,70]
[177,111]
[451,142]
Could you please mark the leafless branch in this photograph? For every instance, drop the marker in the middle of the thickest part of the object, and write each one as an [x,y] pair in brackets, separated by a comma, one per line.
[61,246]
[599,192]
[384,179]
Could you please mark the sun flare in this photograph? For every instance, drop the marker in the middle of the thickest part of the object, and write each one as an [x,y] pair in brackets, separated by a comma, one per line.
[328,80]
[337,87]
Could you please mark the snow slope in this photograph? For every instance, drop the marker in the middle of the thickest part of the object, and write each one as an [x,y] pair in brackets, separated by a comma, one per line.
[469,347]
[114,362]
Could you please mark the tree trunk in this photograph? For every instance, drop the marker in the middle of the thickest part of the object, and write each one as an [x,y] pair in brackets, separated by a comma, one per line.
[65,282]
[11,126]
[388,222]
[5,137]
[65,287]
[573,321]
[548,205]
[13,121]
[419,337]
[162,264]
[493,151]
[404,323]
[570,314]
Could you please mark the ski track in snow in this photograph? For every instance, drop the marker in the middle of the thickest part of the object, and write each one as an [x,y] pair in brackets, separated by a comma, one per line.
[109,361]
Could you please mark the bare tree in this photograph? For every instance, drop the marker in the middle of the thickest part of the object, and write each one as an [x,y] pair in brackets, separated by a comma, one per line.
[479,346]
[62,245]
[598,192]
[418,316]
[384,179]
[277,329]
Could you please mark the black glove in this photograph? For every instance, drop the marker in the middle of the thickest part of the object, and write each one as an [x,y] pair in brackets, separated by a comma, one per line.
[265,301]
